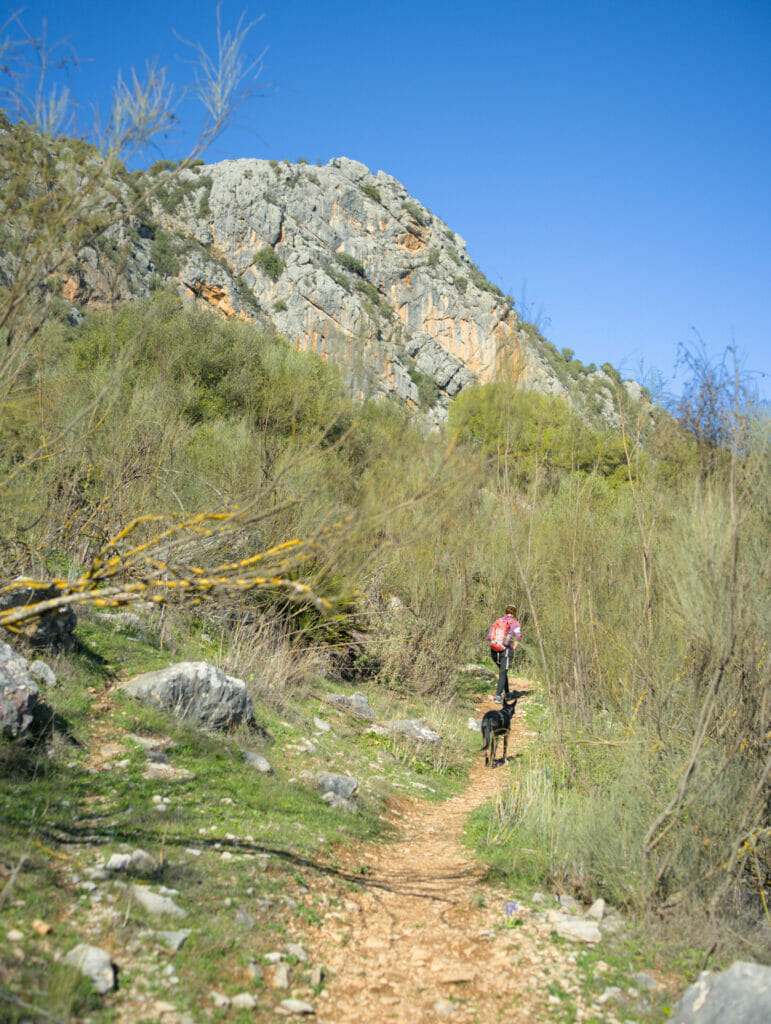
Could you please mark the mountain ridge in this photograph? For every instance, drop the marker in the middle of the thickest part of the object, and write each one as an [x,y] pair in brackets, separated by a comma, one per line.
[339,260]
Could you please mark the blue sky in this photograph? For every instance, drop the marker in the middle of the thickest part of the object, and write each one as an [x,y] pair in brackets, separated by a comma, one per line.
[608,163]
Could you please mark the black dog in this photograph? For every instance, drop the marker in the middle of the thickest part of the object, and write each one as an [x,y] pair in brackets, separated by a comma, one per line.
[495,724]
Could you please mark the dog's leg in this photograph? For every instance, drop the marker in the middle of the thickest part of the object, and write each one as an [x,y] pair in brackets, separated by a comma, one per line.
[505,745]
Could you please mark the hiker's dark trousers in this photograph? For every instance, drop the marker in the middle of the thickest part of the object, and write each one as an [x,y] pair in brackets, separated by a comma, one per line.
[503,660]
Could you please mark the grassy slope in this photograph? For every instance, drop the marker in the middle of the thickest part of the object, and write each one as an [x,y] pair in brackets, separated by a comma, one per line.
[264,844]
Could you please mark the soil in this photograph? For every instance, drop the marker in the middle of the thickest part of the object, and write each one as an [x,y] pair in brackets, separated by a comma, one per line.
[428,939]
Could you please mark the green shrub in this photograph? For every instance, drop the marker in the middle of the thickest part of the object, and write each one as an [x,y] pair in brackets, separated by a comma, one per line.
[280,306]
[338,277]
[428,389]
[433,257]
[163,254]
[350,263]
[269,262]
[461,283]
[370,291]
[418,214]
[372,191]
[163,165]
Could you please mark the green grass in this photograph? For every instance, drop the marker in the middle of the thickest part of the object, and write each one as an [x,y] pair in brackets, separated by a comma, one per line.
[228,837]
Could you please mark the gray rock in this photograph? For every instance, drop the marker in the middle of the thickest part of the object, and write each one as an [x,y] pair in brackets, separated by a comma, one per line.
[280,975]
[296,1006]
[42,672]
[195,691]
[296,950]
[259,762]
[741,995]
[569,904]
[142,863]
[122,621]
[173,941]
[243,1001]
[597,910]
[219,1001]
[244,918]
[118,862]
[474,723]
[342,785]
[340,803]
[578,929]
[473,669]
[645,981]
[153,903]
[55,630]
[321,725]
[356,703]
[417,731]
[18,693]
[95,964]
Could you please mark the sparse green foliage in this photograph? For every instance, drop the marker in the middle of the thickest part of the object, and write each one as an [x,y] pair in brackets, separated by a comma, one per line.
[351,264]
[338,277]
[418,214]
[428,389]
[163,165]
[269,262]
[433,257]
[163,254]
[371,191]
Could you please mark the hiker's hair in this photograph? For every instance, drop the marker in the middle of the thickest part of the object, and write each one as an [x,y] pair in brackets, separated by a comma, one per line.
[510,609]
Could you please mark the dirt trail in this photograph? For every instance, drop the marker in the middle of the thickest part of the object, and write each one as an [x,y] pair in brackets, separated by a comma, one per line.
[427,940]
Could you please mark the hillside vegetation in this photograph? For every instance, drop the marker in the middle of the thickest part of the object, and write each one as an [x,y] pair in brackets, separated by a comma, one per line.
[203,470]
[641,569]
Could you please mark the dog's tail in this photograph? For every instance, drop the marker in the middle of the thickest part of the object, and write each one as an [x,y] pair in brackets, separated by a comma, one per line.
[486,736]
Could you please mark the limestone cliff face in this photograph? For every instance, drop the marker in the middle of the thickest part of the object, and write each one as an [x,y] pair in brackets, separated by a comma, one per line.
[348,265]
[341,261]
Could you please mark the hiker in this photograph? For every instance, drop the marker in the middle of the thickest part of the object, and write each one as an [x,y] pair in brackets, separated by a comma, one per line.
[504,636]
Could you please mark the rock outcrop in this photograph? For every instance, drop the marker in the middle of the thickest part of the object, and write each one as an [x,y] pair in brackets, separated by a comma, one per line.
[341,261]
[18,693]
[742,993]
[197,692]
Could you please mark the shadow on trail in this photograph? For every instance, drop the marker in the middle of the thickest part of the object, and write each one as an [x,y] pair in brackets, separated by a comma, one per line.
[73,835]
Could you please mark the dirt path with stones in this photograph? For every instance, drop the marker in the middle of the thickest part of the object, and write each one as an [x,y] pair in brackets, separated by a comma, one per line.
[428,940]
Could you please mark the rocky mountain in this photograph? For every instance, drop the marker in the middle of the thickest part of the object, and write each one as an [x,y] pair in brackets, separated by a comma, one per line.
[343,262]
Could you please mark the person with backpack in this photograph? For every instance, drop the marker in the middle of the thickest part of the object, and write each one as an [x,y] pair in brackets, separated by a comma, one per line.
[504,636]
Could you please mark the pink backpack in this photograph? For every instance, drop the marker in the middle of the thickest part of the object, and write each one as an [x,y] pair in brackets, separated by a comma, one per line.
[498,633]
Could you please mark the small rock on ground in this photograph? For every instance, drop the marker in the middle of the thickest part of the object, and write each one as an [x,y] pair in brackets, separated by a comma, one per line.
[94,963]
[296,1006]
[155,904]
